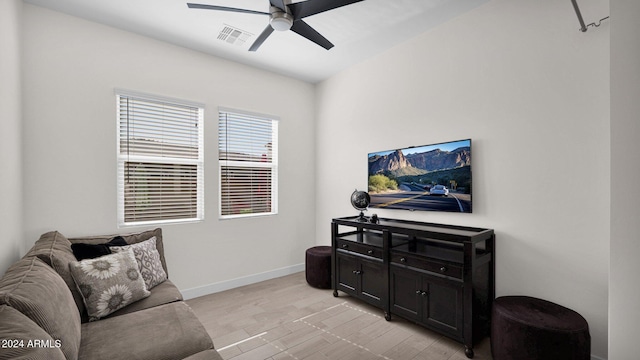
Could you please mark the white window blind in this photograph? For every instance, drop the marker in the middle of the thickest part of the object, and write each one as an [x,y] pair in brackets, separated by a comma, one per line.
[248,158]
[160,160]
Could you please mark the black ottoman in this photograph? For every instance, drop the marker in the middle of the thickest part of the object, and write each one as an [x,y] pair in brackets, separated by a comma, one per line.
[523,327]
[318,266]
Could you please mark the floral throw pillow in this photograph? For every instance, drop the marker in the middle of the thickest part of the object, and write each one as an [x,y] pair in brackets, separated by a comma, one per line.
[148,259]
[108,283]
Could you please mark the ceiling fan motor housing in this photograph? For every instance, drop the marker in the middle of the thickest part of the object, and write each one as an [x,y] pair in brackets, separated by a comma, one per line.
[280,20]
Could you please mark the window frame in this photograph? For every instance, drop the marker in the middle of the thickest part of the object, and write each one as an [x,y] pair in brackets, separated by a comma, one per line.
[124,157]
[273,165]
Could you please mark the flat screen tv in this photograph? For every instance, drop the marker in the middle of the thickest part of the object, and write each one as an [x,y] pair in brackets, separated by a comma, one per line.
[434,177]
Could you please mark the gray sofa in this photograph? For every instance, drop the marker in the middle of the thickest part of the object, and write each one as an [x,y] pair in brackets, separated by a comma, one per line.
[42,314]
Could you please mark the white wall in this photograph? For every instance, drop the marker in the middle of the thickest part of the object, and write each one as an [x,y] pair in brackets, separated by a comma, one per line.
[624,288]
[532,92]
[71,67]
[10,139]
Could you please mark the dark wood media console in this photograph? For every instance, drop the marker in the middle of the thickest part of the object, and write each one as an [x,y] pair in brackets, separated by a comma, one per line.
[439,276]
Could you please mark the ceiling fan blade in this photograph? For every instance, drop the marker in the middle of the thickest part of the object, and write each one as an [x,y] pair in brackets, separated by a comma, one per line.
[303,9]
[278,3]
[303,29]
[261,38]
[224,8]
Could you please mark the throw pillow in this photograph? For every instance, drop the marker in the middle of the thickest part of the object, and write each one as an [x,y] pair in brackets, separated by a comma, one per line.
[131,238]
[148,259]
[108,283]
[91,251]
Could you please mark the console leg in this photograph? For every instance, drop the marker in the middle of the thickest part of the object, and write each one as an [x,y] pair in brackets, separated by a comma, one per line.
[335,293]
[387,316]
[469,352]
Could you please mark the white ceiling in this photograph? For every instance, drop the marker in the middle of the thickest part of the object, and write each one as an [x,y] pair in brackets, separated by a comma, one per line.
[358,31]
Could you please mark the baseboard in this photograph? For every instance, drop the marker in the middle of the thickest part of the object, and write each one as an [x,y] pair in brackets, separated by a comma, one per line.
[593,357]
[241,281]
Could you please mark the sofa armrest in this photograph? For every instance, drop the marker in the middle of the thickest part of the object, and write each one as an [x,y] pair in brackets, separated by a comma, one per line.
[18,330]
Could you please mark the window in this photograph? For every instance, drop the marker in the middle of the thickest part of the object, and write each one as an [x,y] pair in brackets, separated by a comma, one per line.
[248,158]
[160,161]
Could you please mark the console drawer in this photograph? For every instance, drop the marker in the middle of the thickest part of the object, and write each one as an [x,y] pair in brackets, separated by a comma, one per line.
[427,265]
[359,248]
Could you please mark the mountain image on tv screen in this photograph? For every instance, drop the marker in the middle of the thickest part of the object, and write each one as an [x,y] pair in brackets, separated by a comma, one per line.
[433,177]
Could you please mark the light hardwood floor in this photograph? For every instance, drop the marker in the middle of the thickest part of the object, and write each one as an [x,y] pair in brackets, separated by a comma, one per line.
[285,319]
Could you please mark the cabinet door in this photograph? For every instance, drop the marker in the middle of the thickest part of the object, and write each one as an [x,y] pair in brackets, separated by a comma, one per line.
[346,277]
[372,286]
[443,306]
[405,292]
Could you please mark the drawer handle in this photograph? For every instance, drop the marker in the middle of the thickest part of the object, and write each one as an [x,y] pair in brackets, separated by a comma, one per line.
[422,293]
[370,252]
[443,269]
[403,260]
[344,246]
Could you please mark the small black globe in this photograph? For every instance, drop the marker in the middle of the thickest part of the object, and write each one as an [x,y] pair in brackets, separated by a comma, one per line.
[360,200]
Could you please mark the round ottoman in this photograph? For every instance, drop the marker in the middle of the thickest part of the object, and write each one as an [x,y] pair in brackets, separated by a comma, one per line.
[318,266]
[523,327]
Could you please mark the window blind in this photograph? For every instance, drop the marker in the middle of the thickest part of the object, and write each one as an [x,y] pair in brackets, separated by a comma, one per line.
[160,160]
[248,158]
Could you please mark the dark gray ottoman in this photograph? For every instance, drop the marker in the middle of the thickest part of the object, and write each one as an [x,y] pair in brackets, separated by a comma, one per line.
[524,327]
[318,266]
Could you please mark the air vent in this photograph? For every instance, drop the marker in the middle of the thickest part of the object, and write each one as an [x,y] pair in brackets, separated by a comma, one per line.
[233,35]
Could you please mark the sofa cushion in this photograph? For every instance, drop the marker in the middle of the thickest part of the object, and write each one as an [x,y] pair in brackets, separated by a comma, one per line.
[148,260]
[108,283]
[170,331]
[132,238]
[37,291]
[55,249]
[19,335]
[164,293]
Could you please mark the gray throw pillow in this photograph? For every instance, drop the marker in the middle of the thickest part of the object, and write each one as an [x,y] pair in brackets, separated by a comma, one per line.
[108,283]
[148,259]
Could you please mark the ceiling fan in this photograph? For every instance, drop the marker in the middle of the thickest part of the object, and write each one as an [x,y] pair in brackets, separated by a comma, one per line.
[283,17]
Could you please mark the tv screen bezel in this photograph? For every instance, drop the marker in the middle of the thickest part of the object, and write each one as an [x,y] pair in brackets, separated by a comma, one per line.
[464,205]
